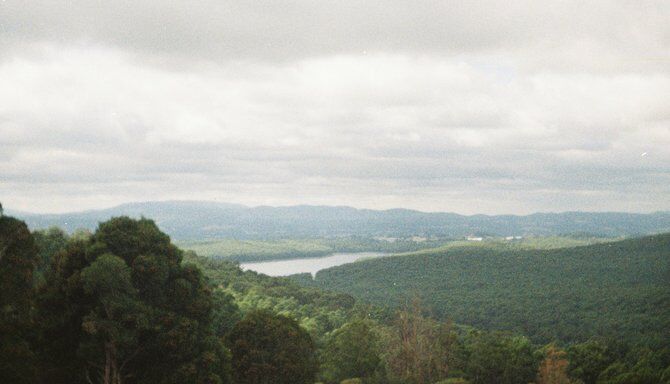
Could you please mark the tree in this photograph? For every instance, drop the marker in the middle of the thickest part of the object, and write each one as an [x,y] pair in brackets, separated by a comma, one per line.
[49,242]
[665,376]
[18,257]
[554,368]
[112,328]
[225,314]
[268,348]
[588,360]
[352,351]
[61,306]
[419,351]
[496,358]
[119,307]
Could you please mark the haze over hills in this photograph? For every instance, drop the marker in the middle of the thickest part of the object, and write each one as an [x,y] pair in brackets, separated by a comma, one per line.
[189,220]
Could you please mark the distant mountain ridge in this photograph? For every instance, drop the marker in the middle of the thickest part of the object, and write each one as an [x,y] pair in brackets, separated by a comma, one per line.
[187,220]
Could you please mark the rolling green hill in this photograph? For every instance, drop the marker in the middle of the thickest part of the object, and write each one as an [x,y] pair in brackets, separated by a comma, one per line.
[619,289]
[264,250]
[201,220]
[126,293]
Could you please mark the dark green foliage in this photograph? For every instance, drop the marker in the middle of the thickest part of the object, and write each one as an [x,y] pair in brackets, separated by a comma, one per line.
[494,358]
[268,348]
[665,376]
[128,239]
[62,305]
[316,310]
[353,351]
[122,299]
[113,327]
[619,289]
[319,312]
[18,258]
[305,279]
[640,366]
[49,242]
[322,313]
[226,313]
[589,359]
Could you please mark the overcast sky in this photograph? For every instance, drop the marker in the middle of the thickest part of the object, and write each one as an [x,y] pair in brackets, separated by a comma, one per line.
[463,106]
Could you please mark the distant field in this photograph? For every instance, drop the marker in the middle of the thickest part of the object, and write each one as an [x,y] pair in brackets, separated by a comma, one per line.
[551,242]
[256,250]
[265,250]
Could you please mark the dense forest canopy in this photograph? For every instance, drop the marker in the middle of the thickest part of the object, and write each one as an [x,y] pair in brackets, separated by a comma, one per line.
[617,289]
[124,305]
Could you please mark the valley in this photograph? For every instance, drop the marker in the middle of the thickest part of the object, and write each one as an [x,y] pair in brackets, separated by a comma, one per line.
[468,309]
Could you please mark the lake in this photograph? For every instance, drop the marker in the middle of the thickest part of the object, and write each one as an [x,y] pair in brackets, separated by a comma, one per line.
[311,265]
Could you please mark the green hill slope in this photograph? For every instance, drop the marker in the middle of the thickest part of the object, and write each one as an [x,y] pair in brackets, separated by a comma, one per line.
[619,289]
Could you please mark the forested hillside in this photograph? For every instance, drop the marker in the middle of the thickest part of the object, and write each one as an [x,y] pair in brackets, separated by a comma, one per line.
[619,289]
[263,250]
[123,305]
[194,220]
[260,250]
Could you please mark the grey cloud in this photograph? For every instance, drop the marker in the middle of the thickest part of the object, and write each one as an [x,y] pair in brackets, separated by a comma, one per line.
[295,29]
[466,106]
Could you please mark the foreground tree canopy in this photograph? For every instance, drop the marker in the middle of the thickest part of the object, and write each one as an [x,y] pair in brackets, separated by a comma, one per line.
[270,348]
[18,257]
[121,307]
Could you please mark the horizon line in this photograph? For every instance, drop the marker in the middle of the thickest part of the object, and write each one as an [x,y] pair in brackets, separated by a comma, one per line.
[245,206]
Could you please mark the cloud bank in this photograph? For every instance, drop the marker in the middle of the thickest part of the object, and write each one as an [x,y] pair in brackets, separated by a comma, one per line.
[472,107]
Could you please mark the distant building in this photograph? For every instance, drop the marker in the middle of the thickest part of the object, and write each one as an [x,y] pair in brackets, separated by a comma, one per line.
[510,238]
[472,238]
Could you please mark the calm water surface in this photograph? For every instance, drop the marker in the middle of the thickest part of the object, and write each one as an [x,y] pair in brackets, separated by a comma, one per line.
[311,265]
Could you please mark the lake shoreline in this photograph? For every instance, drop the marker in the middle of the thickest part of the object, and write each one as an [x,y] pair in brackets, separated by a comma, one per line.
[310,265]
